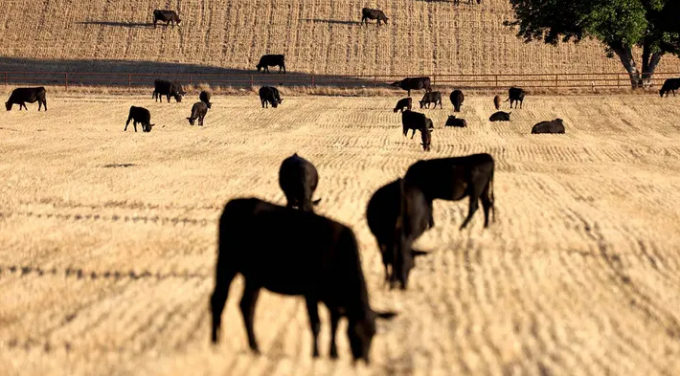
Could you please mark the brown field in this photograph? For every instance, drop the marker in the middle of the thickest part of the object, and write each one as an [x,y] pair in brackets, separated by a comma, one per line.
[107,242]
[317,36]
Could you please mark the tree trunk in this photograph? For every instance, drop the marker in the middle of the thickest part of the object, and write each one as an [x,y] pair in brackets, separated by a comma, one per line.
[649,63]
[626,55]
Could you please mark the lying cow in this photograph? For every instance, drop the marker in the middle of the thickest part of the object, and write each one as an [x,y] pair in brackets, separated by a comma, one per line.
[500,116]
[267,61]
[415,83]
[205,98]
[415,121]
[457,99]
[294,253]
[198,111]
[298,179]
[454,179]
[167,16]
[27,94]
[405,103]
[271,95]
[671,84]
[497,102]
[452,121]
[431,97]
[139,115]
[516,94]
[167,88]
[554,126]
[372,14]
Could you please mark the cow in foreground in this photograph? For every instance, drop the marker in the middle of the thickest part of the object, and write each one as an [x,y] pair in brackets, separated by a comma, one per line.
[372,14]
[404,104]
[198,111]
[415,83]
[431,97]
[452,121]
[205,98]
[500,116]
[453,179]
[167,16]
[671,84]
[457,99]
[554,126]
[27,94]
[270,95]
[139,115]
[416,122]
[497,102]
[516,94]
[267,61]
[169,89]
[295,253]
[298,179]
[394,225]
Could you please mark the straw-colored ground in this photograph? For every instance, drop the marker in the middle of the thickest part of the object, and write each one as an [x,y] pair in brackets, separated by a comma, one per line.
[107,239]
[319,36]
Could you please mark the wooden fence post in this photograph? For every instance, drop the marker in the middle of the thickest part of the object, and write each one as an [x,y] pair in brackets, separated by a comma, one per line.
[556,79]
[251,81]
[66,81]
[496,82]
[6,79]
[129,82]
[313,83]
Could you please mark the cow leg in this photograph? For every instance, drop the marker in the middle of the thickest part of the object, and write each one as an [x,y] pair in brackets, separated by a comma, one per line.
[413,134]
[475,193]
[521,104]
[487,202]
[201,120]
[224,275]
[431,218]
[45,104]
[250,295]
[134,124]
[314,322]
[335,318]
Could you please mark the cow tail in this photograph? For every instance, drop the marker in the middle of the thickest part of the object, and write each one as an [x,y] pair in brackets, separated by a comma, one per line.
[492,198]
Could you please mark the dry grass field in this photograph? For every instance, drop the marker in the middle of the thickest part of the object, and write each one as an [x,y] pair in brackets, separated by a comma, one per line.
[107,239]
[317,36]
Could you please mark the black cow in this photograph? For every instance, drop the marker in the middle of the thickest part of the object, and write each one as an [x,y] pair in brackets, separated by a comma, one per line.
[415,121]
[295,253]
[497,102]
[205,98]
[431,97]
[27,94]
[426,138]
[554,126]
[671,84]
[139,115]
[384,213]
[198,111]
[271,95]
[267,61]
[415,83]
[372,14]
[167,88]
[516,94]
[452,121]
[406,103]
[167,16]
[457,99]
[298,179]
[454,179]
[500,116]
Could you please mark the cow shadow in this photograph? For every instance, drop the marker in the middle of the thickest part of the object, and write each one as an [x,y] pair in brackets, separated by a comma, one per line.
[332,22]
[116,24]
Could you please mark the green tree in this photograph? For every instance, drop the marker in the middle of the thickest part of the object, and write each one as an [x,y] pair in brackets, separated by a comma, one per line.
[621,25]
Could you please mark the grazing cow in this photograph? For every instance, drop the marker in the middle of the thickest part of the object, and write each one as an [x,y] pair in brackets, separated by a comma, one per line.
[431,97]
[294,253]
[27,94]
[267,61]
[426,137]
[384,212]
[298,179]
[554,126]
[500,116]
[205,98]
[415,83]
[167,16]
[405,103]
[271,95]
[455,178]
[198,111]
[139,115]
[457,99]
[167,88]
[497,102]
[516,94]
[415,121]
[452,121]
[671,84]
[372,14]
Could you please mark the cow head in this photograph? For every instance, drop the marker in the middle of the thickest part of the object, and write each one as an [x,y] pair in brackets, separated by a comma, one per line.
[429,124]
[179,22]
[8,105]
[661,93]
[147,128]
[396,83]
[191,120]
[422,104]
[178,97]
[360,332]
[274,103]
[259,66]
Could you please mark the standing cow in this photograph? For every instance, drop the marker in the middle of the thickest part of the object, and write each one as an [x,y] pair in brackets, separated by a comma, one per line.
[415,121]
[404,104]
[516,94]
[139,115]
[431,97]
[457,99]
[27,94]
[167,88]
[298,179]
[267,61]
[497,102]
[372,14]
[414,83]
[671,84]
[271,95]
[198,111]
[167,16]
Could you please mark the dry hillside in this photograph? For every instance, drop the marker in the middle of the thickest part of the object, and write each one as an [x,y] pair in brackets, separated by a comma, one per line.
[319,36]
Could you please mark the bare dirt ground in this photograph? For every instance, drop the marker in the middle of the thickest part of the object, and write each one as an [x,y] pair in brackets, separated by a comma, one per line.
[107,239]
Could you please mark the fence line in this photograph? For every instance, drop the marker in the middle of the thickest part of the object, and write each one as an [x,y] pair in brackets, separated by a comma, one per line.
[249,80]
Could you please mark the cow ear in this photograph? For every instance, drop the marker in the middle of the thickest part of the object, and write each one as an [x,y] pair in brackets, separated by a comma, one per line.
[386,315]
[417,253]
